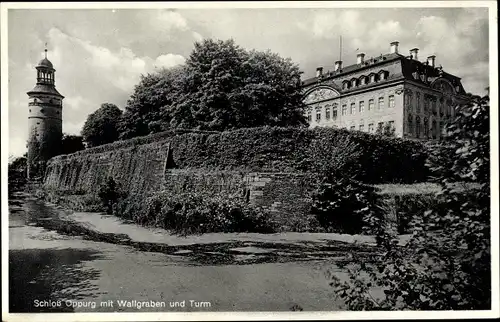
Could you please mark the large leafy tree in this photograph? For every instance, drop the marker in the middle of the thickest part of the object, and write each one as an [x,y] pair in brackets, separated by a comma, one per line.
[227,87]
[146,109]
[101,127]
[222,86]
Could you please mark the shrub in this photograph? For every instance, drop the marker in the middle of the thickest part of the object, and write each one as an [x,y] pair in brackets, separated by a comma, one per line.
[446,264]
[368,158]
[109,193]
[196,213]
[342,204]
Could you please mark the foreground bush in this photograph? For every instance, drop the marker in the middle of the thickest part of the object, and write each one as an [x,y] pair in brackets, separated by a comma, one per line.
[446,265]
[191,213]
[342,205]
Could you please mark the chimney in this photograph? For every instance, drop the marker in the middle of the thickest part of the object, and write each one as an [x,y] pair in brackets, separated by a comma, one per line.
[319,71]
[414,53]
[394,47]
[360,58]
[338,65]
[431,60]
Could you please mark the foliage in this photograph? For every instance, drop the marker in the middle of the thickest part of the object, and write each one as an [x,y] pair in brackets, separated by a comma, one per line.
[367,158]
[146,110]
[109,193]
[386,130]
[17,174]
[196,213]
[221,86]
[342,204]
[72,144]
[101,127]
[446,263]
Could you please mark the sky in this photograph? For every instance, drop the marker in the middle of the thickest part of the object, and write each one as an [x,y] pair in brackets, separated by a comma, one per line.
[99,54]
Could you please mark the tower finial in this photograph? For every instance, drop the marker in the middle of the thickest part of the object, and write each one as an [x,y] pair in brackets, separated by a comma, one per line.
[45,50]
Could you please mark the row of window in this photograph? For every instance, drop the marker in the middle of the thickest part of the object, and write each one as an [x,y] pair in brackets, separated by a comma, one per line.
[371,126]
[333,109]
[43,111]
[430,103]
[363,80]
[423,127]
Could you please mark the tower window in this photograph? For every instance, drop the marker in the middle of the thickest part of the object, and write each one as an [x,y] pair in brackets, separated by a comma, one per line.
[37,123]
[391,101]
[30,110]
[42,111]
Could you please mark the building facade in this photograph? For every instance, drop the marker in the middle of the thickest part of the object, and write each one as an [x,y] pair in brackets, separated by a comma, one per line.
[44,120]
[414,98]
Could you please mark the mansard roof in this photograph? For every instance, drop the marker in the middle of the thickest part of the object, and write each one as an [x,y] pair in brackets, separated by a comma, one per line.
[396,65]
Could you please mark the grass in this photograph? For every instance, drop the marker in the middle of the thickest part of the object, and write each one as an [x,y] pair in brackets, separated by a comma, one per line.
[418,188]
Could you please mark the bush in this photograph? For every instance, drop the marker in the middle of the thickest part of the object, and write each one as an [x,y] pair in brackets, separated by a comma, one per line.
[343,205]
[446,265]
[191,213]
[109,193]
[367,158]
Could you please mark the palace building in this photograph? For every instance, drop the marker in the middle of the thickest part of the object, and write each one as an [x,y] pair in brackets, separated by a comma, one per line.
[415,98]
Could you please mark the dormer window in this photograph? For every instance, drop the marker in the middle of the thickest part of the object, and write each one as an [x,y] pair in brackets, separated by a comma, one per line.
[353,83]
[346,84]
[363,80]
[382,74]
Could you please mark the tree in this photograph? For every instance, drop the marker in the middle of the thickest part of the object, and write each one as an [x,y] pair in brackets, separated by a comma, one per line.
[145,110]
[227,87]
[17,173]
[101,127]
[222,86]
[71,144]
[446,263]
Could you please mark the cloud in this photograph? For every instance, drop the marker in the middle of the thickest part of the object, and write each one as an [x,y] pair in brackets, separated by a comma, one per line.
[168,20]
[169,60]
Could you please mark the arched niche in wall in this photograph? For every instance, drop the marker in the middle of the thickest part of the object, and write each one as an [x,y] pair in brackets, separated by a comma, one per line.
[319,94]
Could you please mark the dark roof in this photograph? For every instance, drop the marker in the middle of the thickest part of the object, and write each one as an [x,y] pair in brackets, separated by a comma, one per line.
[409,67]
[45,63]
[46,89]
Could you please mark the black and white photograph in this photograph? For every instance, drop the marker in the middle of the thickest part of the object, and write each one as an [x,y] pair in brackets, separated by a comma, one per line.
[249,160]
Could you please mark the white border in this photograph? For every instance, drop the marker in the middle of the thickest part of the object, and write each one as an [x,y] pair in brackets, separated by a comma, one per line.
[250,316]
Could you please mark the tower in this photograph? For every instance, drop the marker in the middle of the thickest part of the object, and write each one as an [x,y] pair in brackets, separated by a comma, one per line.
[44,120]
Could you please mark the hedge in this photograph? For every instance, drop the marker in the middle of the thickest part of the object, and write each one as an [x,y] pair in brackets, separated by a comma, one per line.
[368,158]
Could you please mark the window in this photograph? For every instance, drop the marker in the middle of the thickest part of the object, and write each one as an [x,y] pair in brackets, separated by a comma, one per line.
[361,127]
[42,111]
[346,85]
[418,103]
[371,105]
[30,110]
[344,109]
[309,116]
[363,80]
[57,112]
[408,98]
[382,75]
[426,104]
[391,101]
[37,123]
[434,129]
[334,111]
[353,127]
[353,108]
[441,128]
[353,83]
[410,124]
[370,128]
[380,126]
[380,103]
[433,106]
[372,78]
[327,112]
[426,127]
[419,127]
[361,106]
[318,114]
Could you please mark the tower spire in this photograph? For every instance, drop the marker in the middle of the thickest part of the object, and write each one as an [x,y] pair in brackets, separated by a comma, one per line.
[45,50]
